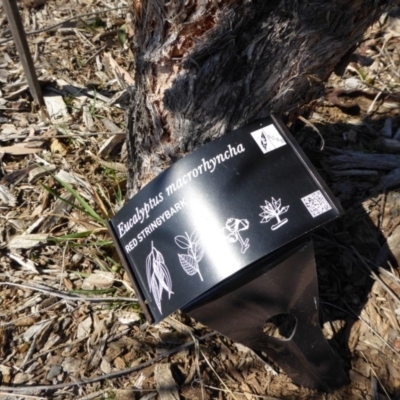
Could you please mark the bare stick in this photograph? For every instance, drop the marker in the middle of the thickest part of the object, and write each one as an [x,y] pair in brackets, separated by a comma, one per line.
[49,28]
[18,33]
[66,296]
[312,126]
[113,375]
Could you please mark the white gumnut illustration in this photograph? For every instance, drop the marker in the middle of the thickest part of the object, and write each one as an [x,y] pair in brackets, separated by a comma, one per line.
[234,226]
[158,276]
[195,252]
[271,210]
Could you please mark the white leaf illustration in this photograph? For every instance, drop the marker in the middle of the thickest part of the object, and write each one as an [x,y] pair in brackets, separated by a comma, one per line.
[157,292]
[158,276]
[284,209]
[189,264]
[276,203]
[183,242]
[269,208]
[194,237]
[266,218]
[195,252]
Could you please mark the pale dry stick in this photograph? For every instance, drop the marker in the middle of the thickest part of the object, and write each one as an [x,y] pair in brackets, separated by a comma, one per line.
[381,209]
[62,266]
[376,376]
[26,396]
[96,53]
[314,128]
[219,378]
[83,39]
[390,275]
[370,327]
[257,396]
[393,65]
[49,28]
[365,262]
[65,296]
[73,343]
[66,136]
[362,320]
[100,393]
[112,337]
[112,375]
[13,322]
[196,348]
[375,276]
[30,352]
[372,105]
[29,303]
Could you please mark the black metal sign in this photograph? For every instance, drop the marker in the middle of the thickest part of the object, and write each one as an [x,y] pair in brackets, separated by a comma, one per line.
[217,211]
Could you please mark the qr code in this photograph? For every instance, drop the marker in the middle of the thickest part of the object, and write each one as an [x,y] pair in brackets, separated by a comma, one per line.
[316,203]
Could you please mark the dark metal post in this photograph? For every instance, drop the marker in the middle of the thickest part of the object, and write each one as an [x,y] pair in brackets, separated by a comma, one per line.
[241,310]
[17,30]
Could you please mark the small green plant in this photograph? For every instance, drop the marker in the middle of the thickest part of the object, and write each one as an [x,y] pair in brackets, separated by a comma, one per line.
[96,238]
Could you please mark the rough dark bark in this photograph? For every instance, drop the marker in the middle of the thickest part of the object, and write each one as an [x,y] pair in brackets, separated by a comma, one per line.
[203,67]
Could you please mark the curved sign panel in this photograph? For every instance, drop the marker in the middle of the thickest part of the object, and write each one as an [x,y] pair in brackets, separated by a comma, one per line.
[217,211]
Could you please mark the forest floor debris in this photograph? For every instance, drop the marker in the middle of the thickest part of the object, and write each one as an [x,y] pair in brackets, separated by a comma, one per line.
[70,325]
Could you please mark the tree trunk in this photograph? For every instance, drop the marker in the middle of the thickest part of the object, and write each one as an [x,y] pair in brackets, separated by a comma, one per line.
[205,67]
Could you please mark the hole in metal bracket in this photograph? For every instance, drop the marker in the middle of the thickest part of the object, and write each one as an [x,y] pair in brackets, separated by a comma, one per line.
[280,326]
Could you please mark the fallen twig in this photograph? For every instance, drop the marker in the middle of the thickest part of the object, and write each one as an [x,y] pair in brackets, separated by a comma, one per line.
[49,28]
[66,296]
[113,375]
[312,126]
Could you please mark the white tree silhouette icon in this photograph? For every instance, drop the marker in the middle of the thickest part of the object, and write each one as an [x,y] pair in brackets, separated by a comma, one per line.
[273,210]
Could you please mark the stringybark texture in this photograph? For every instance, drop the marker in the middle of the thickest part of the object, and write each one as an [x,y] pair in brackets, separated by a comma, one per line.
[203,68]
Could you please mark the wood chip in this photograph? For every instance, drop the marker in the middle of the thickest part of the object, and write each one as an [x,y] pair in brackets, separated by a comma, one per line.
[6,198]
[128,317]
[98,280]
[56,108]
[166,386]
[105,366]
[5,374]
[88,119]
[84,328]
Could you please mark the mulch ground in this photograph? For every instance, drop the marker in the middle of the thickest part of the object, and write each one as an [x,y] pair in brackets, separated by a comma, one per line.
[70,325]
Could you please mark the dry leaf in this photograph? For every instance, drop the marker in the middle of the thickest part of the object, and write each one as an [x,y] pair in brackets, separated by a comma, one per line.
[84,328]
[98,280]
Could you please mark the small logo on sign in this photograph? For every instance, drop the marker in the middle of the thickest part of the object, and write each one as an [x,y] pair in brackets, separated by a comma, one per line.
[268,138]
